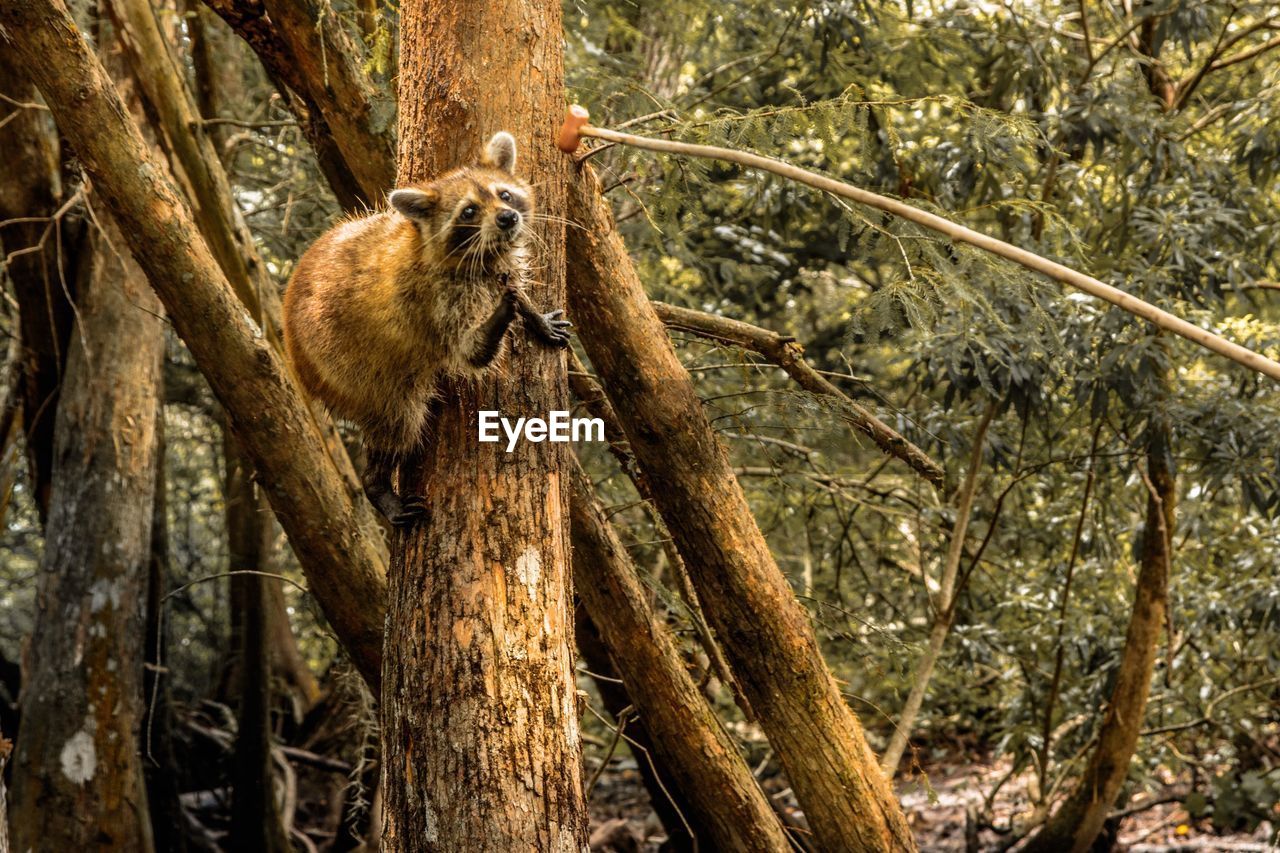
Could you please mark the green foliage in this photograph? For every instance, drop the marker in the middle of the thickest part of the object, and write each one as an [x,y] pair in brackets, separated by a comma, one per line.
[995,116]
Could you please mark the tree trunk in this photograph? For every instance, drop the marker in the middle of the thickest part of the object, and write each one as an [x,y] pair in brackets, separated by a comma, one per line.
[30,187]
[287,661]
[341,554]
[249,21]
[195,160]
[1080,818]
[764,631]
[78,781]
[480,730]
[160,765]
[255,818]
[725,801]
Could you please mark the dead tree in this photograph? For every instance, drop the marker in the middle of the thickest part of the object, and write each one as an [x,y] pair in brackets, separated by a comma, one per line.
[78,781]
[480,730]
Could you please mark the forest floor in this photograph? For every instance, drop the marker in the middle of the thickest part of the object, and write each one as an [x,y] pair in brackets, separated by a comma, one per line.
[936,803]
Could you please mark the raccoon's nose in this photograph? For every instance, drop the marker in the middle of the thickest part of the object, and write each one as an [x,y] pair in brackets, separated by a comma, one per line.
[508,219]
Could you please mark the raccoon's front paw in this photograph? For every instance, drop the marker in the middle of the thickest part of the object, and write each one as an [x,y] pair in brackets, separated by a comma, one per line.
[550,328]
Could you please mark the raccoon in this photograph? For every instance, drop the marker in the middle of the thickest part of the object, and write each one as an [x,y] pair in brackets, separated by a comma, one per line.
[380,308]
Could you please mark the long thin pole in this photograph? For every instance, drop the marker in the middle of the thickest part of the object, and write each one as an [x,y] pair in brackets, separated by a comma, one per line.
[575,126]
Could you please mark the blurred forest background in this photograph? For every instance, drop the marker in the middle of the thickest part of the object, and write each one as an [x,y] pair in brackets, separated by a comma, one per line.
[1136,141]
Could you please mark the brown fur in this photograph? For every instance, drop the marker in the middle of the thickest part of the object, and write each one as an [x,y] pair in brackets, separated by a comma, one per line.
[379,308]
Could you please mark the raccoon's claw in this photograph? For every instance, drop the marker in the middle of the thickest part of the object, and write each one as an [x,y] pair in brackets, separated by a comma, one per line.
[403,512]
[551,329]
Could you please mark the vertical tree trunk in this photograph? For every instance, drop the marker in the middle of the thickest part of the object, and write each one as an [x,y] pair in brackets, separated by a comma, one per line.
[255,818]
[160,765]
[29,187]
[725,801]
[78,780]
[1077,822]
[287,661]
[764,631]
[480,730]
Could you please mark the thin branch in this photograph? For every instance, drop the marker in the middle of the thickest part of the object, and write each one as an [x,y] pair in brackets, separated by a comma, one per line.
[1030,260]
[1246,55]
[783,351]
[1183,90]
[944,607]
[252,125]
[22,105]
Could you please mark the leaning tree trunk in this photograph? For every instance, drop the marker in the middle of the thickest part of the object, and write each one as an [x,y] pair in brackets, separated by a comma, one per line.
[764,631]
[726,803]
[343,560]
[480,730]
[1079,819]
[78,781]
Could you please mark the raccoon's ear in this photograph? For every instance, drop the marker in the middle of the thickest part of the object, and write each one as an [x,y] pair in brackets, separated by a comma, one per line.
[500,153]
[415,203]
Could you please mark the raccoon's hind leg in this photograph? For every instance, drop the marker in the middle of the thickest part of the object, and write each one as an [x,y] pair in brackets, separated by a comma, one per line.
[390,442]
[398,510]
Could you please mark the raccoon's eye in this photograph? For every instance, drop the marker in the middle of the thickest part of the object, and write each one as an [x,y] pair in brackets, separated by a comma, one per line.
[504,195]
[468,213]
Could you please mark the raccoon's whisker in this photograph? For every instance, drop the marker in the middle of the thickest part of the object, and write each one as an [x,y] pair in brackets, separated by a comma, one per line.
[543,217]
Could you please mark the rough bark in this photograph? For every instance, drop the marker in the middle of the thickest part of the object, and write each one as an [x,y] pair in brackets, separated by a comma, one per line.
[480,732]
[255,816]
[1080,818]
[194,157]
[30,189]
[725,802]
[343,559]
[78,781]
[764,631]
